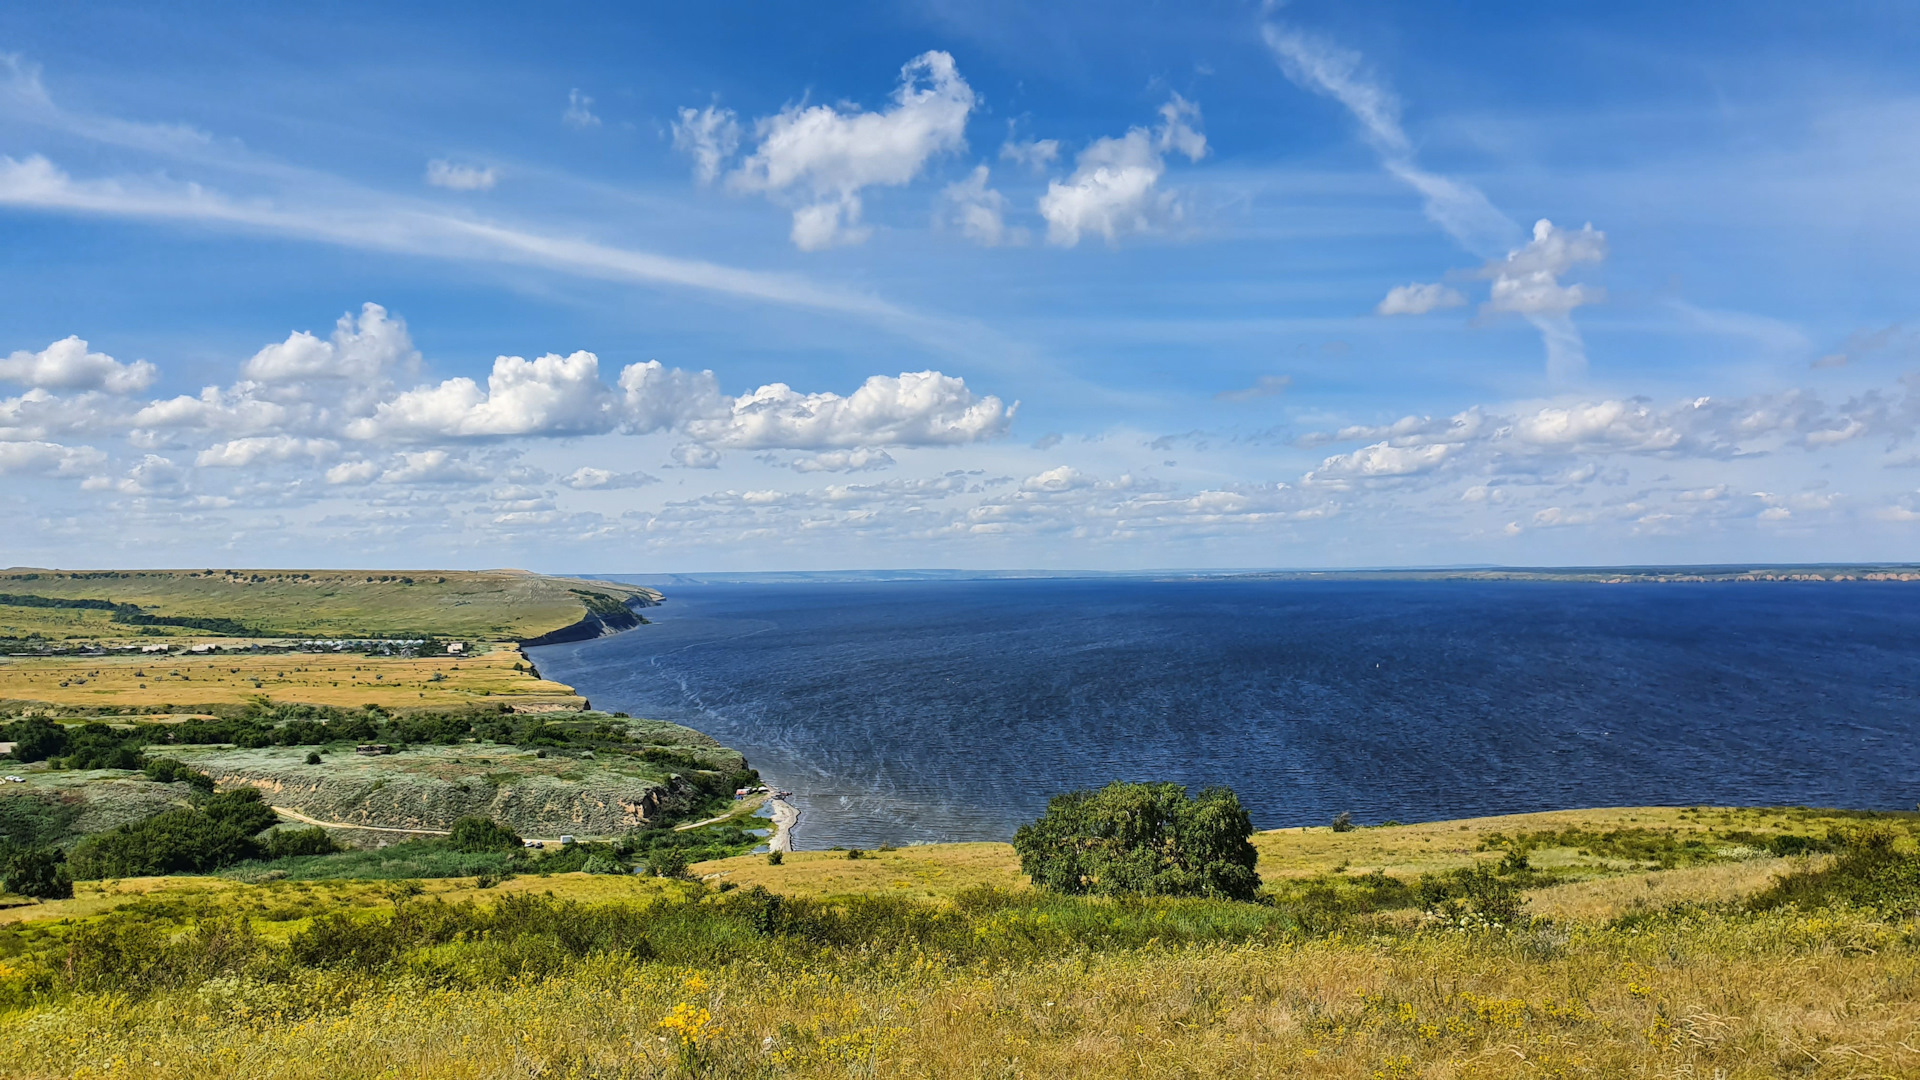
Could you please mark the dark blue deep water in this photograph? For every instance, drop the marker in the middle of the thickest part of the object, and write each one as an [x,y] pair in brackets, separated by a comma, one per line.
[903,712]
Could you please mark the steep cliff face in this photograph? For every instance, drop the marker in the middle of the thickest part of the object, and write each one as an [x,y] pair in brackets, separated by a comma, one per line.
[428,789]
[605,615]
[535,806]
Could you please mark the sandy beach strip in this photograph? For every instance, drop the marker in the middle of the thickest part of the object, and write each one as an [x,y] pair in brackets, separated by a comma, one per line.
[785,817]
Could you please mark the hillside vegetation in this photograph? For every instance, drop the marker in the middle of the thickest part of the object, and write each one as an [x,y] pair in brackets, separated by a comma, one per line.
[459,604]
[930,962]
[542,774]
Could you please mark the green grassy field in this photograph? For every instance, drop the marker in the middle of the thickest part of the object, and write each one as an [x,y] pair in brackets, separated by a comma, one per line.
[486,605]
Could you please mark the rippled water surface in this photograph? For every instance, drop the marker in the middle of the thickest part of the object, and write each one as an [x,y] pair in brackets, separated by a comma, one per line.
[918,711]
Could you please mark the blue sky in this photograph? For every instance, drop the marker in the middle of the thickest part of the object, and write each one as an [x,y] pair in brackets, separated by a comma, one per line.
[969,285]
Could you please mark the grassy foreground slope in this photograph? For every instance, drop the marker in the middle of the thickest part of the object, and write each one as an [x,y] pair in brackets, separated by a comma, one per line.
[599,976]
[488,604]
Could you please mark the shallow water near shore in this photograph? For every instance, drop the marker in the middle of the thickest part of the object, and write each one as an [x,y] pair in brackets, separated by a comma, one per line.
[905,712]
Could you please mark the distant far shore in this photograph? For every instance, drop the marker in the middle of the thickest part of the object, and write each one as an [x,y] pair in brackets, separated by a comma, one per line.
[1604,575]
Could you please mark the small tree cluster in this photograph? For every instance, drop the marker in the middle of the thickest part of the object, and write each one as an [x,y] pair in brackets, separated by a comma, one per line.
[475,834]
[216,831]
[1142,839]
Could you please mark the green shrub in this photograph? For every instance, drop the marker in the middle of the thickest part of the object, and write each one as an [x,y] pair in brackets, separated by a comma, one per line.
[1142,839]
[1479,890]
[170,771]
[163,944]
[408,860]
[242,808]
[667,862]
[1343,822]
[1876,868]
[289,843]
[474,834]
[717,841]
[601,862]
[39,872]
[775,858]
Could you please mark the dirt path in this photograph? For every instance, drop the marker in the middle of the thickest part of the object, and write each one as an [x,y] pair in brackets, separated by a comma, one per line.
[304,819]
[745,809]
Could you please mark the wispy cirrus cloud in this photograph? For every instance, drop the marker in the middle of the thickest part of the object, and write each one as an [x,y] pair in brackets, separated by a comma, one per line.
[1525,276]
[312,205]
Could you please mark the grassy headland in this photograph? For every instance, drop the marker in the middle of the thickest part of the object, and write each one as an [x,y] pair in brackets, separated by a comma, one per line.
[494,605]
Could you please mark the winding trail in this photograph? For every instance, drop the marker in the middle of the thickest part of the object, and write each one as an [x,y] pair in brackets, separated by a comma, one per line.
[304,819]
[745,809]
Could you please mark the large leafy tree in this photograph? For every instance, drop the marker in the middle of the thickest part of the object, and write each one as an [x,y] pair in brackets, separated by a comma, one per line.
[1142,839]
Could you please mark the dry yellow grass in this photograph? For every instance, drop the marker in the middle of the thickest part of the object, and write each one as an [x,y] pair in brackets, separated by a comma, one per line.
[99,897]
[931,870]
[1818,995]
[1411,850]
[1759,1000]
[1610,898]
[308,678]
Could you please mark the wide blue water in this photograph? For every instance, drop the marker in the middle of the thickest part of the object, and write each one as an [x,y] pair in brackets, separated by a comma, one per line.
[903,712]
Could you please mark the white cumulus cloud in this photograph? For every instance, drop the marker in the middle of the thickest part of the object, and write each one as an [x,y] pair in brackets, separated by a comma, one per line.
[859,460]
[1380,460]
[827,155]
[1058,478]
[551,395]
[592,478]
[695,456]
[238,453]
[1617,425]
[67,365]
[977,211]
[47,457]
[352,472]
[236,409]
[1114,189]
[923,408]
[362,350]
[1418,299]
[1527,281]
[1035,154]
[432,467]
